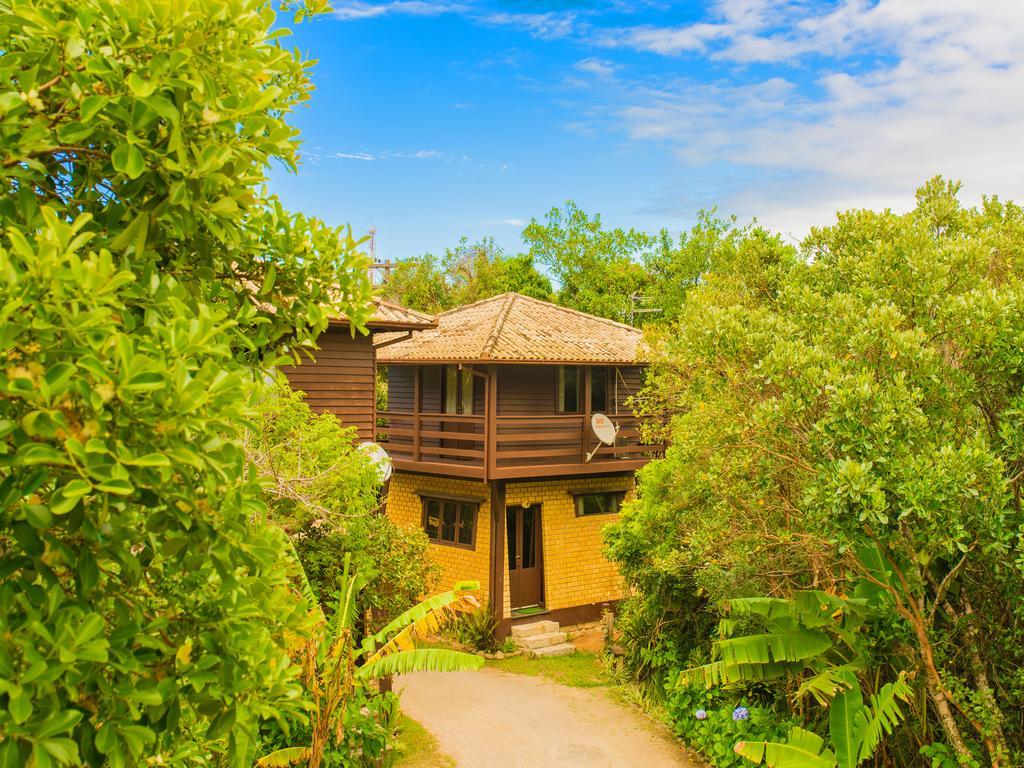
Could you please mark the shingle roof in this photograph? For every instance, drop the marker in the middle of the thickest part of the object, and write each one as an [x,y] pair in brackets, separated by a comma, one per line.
[516,328]
[391,316]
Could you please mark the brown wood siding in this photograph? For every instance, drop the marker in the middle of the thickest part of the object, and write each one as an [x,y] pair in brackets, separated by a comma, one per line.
[401,388]
[527,390]
[340,380]
[430,389]
[625,381]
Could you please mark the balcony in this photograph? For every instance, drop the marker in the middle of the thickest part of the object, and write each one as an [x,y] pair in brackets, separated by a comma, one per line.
[508,447]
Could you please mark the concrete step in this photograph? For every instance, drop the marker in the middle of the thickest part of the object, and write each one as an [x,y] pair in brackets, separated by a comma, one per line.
[562,649]
[534,628]
[541,641]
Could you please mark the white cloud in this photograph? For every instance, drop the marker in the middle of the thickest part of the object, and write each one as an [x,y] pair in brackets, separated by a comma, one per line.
[357,9]
[547,26]
[514,222]
[353,156]
[596,67]
[905,89]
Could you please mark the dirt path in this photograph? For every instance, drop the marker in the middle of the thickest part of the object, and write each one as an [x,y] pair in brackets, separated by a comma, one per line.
[492,719]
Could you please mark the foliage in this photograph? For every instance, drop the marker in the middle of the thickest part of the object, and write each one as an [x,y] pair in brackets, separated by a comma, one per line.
[676,268]
[324,493]
[597,269]
[815,639]
[477,629]
[856,414]
[703,718]
[338,670]
[466,273]
[145,614]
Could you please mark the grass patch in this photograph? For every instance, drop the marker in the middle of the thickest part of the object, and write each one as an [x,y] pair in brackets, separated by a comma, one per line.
[580,669]
[417,748]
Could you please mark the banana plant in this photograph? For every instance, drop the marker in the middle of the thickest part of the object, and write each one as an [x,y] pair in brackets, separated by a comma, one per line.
[812,635]
[336,666]
[855,730]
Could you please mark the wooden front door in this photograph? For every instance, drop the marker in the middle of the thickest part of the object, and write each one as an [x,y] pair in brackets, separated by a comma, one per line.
[525,571]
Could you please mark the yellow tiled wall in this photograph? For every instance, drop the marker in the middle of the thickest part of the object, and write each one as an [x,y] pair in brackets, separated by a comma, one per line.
[576,571]
[457,563]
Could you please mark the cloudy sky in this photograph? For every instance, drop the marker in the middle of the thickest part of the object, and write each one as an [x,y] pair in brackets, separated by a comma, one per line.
[433,120]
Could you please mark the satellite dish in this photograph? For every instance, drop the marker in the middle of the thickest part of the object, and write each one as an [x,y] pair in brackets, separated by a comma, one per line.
[605,431]
[379,458]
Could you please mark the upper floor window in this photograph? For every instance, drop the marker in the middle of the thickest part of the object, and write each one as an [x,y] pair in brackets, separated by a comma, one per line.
[568,389]
[458,389]
[448,521]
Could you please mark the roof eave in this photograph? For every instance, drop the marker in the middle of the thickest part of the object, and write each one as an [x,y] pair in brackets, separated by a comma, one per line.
[382,358]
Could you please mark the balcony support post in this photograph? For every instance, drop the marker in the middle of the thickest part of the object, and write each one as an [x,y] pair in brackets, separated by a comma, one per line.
[416,388]
[586,414]
[496,580]
[491,421]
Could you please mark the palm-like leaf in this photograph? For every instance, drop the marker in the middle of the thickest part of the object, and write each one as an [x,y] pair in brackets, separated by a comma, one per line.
[283,758]
[842,722]
[824,685]
[421,621]
[873,722]
[419,660]
[797,645]
[767,656]
[803,749]
[727,673]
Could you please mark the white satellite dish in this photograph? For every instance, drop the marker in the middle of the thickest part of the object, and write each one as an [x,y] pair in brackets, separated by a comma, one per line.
[605,431]
[379,458]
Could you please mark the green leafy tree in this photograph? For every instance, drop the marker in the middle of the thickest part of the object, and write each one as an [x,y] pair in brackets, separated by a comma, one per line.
[466,273]
[322,490]
[678,266]
[597,270]
[144,274]
[864,398]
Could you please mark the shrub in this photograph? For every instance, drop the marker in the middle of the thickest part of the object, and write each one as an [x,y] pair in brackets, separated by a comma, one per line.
[477,629]
[146,277]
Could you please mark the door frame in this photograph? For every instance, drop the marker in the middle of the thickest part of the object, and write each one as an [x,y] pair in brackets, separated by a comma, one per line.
[516,510]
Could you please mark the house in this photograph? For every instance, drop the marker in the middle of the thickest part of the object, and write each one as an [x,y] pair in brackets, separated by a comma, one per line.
[341,379]
[488,424]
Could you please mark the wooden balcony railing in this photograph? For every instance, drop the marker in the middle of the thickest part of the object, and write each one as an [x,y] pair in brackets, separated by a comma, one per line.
[516,446]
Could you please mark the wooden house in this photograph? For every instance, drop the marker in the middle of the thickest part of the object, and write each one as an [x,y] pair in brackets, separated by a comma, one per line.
[488,423]
[341,379]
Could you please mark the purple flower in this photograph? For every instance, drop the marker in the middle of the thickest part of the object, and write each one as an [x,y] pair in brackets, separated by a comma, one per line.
[741,713]
[701,714]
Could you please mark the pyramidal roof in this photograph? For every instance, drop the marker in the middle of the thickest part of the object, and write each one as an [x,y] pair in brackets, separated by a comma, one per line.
[516,328]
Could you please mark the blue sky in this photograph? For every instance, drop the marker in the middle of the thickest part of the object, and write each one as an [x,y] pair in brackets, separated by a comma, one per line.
[433,120]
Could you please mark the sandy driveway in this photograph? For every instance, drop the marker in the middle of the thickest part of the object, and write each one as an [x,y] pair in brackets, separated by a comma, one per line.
[492,719]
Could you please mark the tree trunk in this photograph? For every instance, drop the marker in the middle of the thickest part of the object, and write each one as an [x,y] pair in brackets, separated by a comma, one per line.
[995,742]
[937,691]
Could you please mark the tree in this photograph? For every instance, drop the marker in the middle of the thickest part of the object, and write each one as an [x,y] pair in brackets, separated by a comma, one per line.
[597,270]
[711,245]
[864,398]
[323,492]
[466,273]
[145,274]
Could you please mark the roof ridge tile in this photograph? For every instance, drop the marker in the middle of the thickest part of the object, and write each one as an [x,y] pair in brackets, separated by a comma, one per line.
[499,325]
